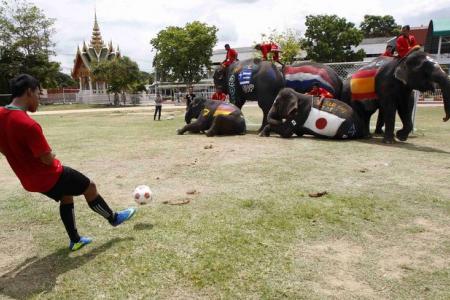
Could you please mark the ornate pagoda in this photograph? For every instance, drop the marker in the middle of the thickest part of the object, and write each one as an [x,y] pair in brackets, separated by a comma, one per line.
[95,51]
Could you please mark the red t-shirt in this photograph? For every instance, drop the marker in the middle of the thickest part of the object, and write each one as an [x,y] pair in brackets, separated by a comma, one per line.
[265,49]
[23,143]
[321,92]
[404,44]
[231,57]
[219,96]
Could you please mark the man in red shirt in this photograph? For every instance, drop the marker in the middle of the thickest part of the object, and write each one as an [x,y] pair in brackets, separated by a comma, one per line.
[219,95]
[267,48]
[231,56]
[405,42]
[320,92]
[25,147]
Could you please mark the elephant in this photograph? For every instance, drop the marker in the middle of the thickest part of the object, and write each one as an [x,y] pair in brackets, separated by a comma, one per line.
[387,84]
[213,117]
[254,79]
[306,114]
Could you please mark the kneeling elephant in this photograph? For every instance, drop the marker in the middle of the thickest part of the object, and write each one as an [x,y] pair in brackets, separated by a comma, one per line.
[304,114]
[214,118]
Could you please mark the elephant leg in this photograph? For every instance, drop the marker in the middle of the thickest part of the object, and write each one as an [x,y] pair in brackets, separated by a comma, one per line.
[389,121]
[226,125]
[380,122]
[266,131]
[405,112]
[284,130]
[194,127]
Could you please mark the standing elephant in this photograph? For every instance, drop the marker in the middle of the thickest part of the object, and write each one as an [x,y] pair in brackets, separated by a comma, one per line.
[388,85]
[213,117]
[261,80]
[305,114]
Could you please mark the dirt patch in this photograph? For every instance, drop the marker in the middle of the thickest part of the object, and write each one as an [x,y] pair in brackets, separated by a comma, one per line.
[337,260]
[418,250]
[15,246]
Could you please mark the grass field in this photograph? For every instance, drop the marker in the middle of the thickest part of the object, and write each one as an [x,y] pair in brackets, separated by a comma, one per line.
[250,230]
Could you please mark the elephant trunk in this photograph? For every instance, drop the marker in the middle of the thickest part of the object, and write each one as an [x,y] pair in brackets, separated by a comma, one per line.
[188,117]
[441,78]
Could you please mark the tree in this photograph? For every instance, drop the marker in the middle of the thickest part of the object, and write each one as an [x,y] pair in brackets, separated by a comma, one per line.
[25,43]
[329,38]
[183,53]
[289,41]
[379,26]
[121,74]
[63,80]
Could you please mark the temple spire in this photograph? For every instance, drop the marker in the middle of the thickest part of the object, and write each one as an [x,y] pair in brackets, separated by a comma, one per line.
[96,39]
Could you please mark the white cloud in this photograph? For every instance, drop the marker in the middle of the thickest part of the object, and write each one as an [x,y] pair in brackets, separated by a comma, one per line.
[133,23]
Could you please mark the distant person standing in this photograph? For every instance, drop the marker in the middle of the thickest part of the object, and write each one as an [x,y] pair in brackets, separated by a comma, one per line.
[267,48]
[230,57]
[189,97]
[158,107]
[405,42]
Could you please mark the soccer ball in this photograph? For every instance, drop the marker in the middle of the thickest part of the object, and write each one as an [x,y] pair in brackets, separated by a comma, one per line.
[142,194]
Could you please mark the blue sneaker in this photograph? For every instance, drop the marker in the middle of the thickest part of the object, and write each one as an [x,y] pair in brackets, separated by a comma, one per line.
[84,240]
[123,215]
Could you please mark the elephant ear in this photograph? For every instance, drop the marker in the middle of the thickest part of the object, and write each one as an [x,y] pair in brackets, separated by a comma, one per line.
[401,72]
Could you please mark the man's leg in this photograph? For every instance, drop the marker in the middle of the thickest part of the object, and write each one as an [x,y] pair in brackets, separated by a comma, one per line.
[98,204]
[67,213]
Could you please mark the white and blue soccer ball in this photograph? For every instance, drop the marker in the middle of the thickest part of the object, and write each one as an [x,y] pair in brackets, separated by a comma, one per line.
[142,194]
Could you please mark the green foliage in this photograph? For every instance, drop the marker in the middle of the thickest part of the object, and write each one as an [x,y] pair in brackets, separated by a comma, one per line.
[379,26]
[329,38]
[183,53]
[64,80]
[121,74]
[289,41]
[25,43]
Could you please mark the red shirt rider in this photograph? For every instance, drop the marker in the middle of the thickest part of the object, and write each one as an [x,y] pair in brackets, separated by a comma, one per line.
[265,48]
[405,42]
[388,51]
[218,95]
[320,92]
[231,56]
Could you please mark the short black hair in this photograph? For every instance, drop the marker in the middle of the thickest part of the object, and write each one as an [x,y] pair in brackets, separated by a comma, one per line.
[21,83]
[406,27]
[227,45]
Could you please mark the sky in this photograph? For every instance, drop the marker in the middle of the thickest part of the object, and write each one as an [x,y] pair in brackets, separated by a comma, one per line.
[131,24]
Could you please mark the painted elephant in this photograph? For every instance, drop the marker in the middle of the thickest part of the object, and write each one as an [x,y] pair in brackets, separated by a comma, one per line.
[387,83]
[213,117]
[261,80]
[305,114]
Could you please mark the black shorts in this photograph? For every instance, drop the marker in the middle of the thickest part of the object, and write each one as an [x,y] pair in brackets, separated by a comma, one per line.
[70,183]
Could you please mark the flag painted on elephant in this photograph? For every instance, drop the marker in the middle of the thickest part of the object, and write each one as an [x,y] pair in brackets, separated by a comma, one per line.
[224,109]
[362,82]
[323,123]
[245,75]
[303,78]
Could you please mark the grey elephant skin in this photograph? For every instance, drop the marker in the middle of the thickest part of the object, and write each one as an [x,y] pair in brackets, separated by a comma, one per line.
[296,113]
[213,117]
[254,79]
[395,79]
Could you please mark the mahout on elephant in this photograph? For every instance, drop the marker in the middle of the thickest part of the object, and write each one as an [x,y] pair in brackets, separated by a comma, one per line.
[213,117]
[387,83]
[296,113]
[254,79]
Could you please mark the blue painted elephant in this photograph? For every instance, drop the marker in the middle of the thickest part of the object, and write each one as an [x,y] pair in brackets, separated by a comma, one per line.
[261,80]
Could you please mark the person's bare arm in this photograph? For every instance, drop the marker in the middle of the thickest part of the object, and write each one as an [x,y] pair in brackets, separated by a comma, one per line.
[47,158]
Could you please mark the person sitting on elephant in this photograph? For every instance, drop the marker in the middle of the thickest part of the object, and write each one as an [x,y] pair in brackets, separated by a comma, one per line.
[214,118]
[231,56]
[319,92]
[389,52]
[267,48]
[304,114]
[219,95]
[405,42]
